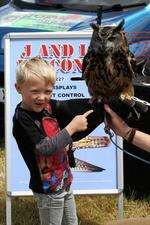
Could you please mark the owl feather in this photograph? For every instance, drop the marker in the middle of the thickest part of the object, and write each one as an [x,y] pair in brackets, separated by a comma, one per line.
[109,67]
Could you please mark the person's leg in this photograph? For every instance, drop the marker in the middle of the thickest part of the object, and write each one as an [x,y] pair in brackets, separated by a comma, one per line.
[70,214]
[51,208]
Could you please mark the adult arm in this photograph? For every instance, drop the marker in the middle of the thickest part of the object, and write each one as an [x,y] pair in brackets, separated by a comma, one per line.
[141,140]
[120,127]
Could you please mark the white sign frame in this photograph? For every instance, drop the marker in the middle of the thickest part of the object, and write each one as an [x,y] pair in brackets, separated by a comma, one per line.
[8,128]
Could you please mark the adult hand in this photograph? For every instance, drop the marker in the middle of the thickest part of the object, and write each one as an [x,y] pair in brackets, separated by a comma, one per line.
[116,123]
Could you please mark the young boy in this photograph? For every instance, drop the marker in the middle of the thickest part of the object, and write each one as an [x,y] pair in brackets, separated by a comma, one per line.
[43,129]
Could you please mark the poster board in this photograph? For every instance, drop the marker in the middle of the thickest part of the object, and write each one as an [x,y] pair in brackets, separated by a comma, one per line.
[99,166]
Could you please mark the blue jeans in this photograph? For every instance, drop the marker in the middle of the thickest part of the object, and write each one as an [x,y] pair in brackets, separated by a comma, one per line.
[57,209]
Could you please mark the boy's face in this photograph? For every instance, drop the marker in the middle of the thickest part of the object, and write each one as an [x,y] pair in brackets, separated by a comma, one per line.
[35,94]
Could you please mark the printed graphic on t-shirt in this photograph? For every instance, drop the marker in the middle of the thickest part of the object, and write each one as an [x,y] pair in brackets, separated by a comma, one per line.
[55,171]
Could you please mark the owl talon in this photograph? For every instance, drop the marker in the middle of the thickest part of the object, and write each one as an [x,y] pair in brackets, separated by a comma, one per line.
[139,105]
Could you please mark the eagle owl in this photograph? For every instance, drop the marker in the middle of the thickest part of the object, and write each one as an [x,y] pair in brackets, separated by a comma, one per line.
[109,67]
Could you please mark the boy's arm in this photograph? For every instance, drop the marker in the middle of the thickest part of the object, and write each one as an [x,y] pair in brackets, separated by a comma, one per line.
[28,134]
[49,145]
[24,125]
[63,138]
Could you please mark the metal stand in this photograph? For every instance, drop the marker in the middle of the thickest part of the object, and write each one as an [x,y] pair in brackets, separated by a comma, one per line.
[8,210]
[120,206]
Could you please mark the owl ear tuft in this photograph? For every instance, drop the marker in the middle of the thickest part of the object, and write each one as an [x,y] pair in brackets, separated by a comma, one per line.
[120,26]
[94,26]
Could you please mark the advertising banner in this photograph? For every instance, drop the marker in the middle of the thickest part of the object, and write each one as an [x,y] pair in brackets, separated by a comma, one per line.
[98,162]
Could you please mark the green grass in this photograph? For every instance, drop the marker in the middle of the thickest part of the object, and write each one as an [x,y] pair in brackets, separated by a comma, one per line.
[92,209]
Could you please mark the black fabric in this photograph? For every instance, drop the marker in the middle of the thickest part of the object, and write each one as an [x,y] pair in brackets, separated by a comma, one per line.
[71,157]
[131,115]
[27,136]
[65,111]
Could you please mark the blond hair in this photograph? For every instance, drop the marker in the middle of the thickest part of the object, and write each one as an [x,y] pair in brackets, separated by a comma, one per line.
[34,68]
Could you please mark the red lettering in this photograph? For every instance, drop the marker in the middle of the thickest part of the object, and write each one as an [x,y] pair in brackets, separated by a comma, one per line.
[78,64]
[67,50]
[55,63]
[82,50]
[66,65]
[55,50]
[27,51]
[44,51]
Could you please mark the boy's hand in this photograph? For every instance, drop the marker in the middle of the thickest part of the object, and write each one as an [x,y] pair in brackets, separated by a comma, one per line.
[79,123]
